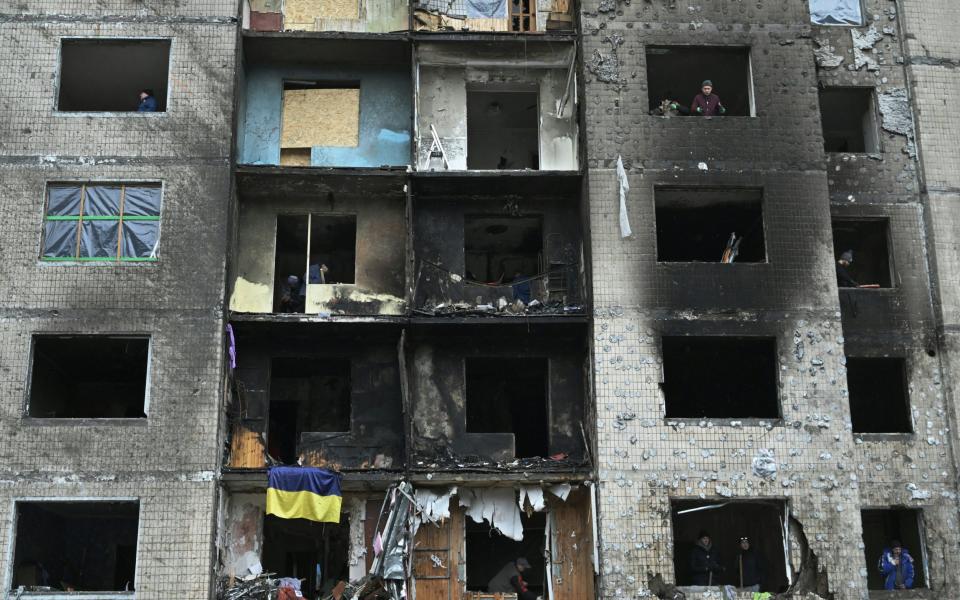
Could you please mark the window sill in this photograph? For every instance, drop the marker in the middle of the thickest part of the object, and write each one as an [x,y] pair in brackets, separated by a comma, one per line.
[59,595]
[83,422]
[896,436]
[716,422]
[869,290]
[111,114]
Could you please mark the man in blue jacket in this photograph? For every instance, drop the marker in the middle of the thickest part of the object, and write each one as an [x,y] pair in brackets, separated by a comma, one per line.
[896,566]
[147,102]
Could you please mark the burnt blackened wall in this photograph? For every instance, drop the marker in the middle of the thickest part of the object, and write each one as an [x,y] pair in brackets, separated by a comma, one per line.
[438,390]
[375,438]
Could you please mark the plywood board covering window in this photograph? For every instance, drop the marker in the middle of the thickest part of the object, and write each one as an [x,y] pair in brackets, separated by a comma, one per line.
[320,117]
[304,12]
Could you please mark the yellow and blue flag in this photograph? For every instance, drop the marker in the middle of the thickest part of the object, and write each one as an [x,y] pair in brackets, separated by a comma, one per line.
[304,493]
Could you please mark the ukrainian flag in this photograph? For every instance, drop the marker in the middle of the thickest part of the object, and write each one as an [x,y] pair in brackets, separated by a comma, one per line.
[304,493]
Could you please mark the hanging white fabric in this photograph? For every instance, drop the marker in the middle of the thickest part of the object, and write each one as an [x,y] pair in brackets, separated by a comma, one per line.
[624,187]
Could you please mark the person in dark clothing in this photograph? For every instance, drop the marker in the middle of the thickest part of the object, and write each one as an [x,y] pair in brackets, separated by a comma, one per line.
[896,566]
[147,102]
[749,567]
[510,579]
[706,103]
[703,561]
[290,299]
[844,279]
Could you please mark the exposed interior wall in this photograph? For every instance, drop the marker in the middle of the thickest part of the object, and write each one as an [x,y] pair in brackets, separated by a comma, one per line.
[445,77]
[362,16]
[438,390]
[378,286]
[384,114]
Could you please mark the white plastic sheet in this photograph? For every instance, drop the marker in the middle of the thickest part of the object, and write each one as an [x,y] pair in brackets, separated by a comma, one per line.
[623,187]
[497,506]
[487,9]
[836,12]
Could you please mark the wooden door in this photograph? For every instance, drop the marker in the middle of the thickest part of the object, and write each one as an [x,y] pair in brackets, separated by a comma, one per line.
[572,548]
[437,559]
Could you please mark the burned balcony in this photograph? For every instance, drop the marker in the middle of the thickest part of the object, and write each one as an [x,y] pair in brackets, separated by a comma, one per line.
[495,107]
[498,401]
[473,262]
[303,249]
[720,225]
[299,111]
[362,16]
[517,16]
[329,400]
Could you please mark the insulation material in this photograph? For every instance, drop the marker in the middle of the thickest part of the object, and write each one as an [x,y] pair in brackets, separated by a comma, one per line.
[433,505]
[497,506]
[623,187]
[251,297]
[303,14]
[835,12]
[560,490]
[321,117]
[357,509]
[535,494]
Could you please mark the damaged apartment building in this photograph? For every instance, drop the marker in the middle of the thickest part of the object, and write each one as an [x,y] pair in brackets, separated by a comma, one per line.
[483,260]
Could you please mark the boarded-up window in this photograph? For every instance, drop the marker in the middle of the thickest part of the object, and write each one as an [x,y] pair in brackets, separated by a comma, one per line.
[302,14]
[319,115]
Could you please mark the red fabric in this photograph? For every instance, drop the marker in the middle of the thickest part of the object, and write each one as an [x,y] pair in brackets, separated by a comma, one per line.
[288,593]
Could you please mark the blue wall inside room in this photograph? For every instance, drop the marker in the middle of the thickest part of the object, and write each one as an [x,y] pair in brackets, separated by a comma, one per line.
[385,113]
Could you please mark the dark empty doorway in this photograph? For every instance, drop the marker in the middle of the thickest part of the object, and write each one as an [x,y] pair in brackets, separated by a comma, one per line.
[502,128]
[488,551]
[867,240]
[849,120]
[882,526]
[509,395]
[317,553]
[677,72]
[720,377]
[709,225]
[306,394]
[878,395]
[105,75]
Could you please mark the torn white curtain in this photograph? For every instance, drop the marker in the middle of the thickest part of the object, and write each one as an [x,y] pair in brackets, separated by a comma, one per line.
[835,12]
[498,506]
[486,9]
[535,494]
[560,490]
[624,187]
[433,505]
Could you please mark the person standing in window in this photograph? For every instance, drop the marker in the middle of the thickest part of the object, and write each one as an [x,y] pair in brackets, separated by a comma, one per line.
[706,103]
[147,102]
[896,566]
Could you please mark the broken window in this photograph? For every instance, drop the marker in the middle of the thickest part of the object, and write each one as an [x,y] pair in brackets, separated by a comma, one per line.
[488,551]
[318,114]
[523,15]
[107,222]
[89,377]
[503,251]
[509,395]
[314,249]
[108,75]
[866,241]
[675,74]
[306,394]
[849,118]
[503,127]
[883,526]
[317,553]
[736,377]
[709,225]
[836,12]
[87,546]
[878,395]
[762,558]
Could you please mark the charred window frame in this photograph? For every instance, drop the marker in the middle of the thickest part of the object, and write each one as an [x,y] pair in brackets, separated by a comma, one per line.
[72,376]
[104,76]
[844,13]
[305,244]
[676,73]
[710,224]
[850,120]
[119,545]
[869,239]
[504,114]
[881,525]
[743,369]
[98,222]
[879,395]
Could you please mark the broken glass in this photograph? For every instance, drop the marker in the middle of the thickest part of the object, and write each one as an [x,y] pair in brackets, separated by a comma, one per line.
[836,12]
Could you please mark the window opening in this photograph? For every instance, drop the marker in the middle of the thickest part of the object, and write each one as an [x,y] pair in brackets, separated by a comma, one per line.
[314,249]
[849,119]
[76,546]
[317,553]
[523,15]
[89,377]
[676,76]
[861,253]
[879,401]
[509,395]
[736,377]
[709,547]
[882,529]
[836,12]
[109,75]
[709,225]
[503,128]
[490,555]
[102,223]
[503,250]
[306,395]
[318,114]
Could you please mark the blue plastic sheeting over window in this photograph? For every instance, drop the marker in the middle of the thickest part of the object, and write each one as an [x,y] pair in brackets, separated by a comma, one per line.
[836,12]
[108,222]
